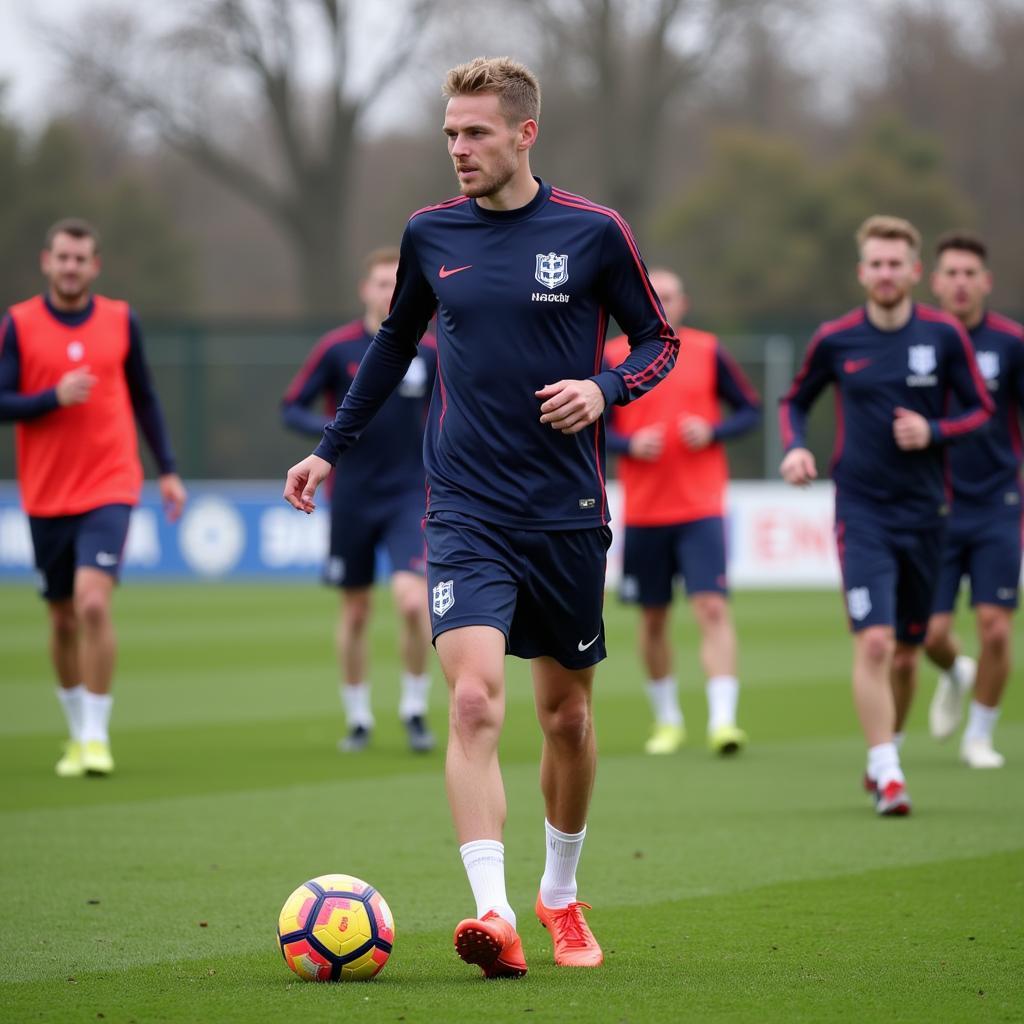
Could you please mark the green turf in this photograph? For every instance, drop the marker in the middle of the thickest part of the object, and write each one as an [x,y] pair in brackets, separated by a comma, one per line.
[760,889]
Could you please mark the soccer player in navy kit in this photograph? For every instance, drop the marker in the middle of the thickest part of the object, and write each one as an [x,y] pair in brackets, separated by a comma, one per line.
[523,278]
[377,499]
[895,364]
[984,539]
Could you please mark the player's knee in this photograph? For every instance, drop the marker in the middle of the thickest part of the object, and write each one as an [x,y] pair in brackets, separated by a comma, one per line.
[569,723]
[994,630]
[878,645]
[92,607]
[63,621]
[473,710]
[356,616]
[904,659]
[711,611]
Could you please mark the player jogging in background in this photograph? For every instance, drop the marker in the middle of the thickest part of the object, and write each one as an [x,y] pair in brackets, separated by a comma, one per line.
[984,539]
[73,375]
[895,364]
[523,278]
[377,499]
[674,474]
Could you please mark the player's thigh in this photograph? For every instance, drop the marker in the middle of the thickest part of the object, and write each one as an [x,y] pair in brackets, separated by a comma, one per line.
[352,556]
[648,565]
[561,599]
[53,544]
[100,541]
[994,563]
[700,552]
[473,574]
[869,565]
[953,566]
[920,555]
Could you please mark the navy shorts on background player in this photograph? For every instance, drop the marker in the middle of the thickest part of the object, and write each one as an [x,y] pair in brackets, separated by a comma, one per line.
[90,540]
[984,544]
[654,556]
[544,589]
[357,533]
[889,573]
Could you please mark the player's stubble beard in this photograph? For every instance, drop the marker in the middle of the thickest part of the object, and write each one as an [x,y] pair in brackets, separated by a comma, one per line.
[491,184]
[889,299]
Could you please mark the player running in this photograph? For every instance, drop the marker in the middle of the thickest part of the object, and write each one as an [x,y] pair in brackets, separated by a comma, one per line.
[523,278]
[895,364]
[377,499]
[73,375]
[984,539]
[674,474]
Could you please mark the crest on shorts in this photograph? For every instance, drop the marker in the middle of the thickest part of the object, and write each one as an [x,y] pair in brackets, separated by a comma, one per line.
[858,603]
[443,597]
[988,363]
[921,359]
[552,269]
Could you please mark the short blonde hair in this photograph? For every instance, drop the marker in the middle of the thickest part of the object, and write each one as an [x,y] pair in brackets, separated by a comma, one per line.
[374,258]
[883,226]
[513,83]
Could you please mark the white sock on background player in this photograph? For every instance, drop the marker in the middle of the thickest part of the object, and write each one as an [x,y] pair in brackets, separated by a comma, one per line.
[415,690]
[71,702]
[664,697]
[484,860]
[981,722]
[96,716]
[356,701]
[723,693]
[562,855]
[898,738]
[884,764]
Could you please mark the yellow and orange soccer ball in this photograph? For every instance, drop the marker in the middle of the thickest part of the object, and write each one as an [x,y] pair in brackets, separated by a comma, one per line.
[336,928]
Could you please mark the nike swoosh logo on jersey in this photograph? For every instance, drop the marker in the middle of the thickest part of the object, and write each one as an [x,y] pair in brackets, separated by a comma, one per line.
[443,273]
[105,558]
[581,646]
[856,365]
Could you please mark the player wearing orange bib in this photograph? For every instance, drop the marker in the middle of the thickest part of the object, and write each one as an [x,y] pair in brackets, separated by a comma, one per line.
[674,474]
[74,378]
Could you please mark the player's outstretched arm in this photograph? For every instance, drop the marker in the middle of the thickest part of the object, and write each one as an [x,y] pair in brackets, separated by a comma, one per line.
[303,480]
[570,405]
[798,467]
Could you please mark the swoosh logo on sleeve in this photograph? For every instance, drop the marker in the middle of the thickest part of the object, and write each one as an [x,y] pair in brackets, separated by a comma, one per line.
[856,365]
[443,272]
[581,646]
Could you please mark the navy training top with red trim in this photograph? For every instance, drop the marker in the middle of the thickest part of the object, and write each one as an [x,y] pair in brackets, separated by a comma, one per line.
[523,298]
[388,460]
[918,367]
[986,465]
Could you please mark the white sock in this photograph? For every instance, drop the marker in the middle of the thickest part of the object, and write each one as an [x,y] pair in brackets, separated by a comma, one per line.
[898,738]
[723,695]
[70,698]
[484,860]
[356,701]
[884,764]
[414,695]
[664,697]
[558,883]
[96,716]
[981,722]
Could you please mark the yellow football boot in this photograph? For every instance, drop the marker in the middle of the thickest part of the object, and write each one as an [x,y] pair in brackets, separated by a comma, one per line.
[70,765]
[727,740]
[666,739]
[96,758]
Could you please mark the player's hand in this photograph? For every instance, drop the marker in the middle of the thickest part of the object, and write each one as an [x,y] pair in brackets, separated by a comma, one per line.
[695,433]
[798,467]
[74,387]
[570,405]
[910,430]
[647,443]
[173,496]
[303,480]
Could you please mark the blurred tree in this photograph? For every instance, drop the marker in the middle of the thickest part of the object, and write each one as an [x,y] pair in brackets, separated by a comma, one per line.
[289,66]
[766,237]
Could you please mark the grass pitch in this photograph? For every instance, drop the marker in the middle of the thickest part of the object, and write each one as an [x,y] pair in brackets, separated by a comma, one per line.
[758,889]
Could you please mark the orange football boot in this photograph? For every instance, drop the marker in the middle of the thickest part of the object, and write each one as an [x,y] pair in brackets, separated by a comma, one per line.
[575,945]
[492,944]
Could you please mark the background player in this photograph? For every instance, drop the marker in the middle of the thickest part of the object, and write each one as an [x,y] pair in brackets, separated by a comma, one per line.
[523,278]
[894,364]
[674,473]
[74,376]
[377,499]
[984,539]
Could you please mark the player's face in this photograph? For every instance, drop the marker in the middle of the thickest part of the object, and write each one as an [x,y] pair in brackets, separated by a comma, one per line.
[888,270]
[961,282]
[70,266]
[376,290]
[670,291]
[484,147]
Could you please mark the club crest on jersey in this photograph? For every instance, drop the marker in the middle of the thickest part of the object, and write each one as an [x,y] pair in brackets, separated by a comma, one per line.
[443,597]
[858,603]
[988,363]
[922,362]
[552,269]
[76,350]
